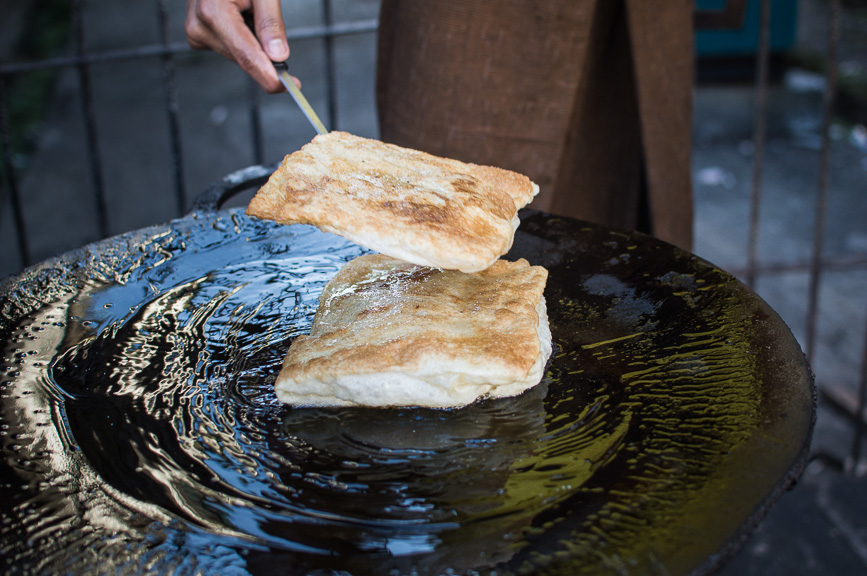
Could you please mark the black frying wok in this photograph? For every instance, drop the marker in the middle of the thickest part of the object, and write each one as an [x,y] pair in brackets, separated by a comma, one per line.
[140,432]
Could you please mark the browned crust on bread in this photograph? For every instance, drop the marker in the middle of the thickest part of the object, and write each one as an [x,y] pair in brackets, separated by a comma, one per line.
[409,204]
[379,314]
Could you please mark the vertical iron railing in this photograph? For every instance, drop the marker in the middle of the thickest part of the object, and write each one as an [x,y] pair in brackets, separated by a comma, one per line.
[257,138]
[11,179]
[82,61]
[759,138]
[731,16]
[824,180]
[171,95]
[89,115]
[855,412]
[330,74]
[818,263]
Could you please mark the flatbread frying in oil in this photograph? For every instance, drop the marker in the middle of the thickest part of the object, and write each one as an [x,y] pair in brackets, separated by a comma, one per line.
[407,204]
[390,333]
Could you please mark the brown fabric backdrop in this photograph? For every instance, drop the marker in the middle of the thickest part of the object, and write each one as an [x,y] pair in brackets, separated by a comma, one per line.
[590,98]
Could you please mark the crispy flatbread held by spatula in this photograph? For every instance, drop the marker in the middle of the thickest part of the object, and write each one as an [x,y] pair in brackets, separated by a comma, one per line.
[390,333]
[411,205]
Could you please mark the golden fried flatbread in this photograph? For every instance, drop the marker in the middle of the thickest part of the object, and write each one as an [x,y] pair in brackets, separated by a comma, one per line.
[390,333]
[414,206]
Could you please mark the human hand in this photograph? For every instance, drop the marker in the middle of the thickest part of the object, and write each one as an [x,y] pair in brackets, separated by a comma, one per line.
[219,25]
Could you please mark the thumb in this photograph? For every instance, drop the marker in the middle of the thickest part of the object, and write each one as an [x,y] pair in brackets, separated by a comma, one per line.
[270,30]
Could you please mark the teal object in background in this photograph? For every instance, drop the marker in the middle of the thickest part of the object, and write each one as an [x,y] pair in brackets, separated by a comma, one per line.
[745,41]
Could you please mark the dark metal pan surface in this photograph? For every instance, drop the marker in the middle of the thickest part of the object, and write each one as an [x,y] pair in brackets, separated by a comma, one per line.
[140,432]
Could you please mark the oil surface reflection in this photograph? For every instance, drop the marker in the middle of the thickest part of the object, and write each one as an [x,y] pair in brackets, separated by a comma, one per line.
[140,426]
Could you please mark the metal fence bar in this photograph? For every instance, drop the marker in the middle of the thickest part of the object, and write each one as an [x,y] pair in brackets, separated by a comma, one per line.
[166,51]
[154,50]
[330,75]
[824,179]
[171,95]
[86,94]
[12,179]
[257,139]
[759,138]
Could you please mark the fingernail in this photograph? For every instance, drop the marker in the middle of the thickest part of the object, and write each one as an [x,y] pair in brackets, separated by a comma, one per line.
[277,49]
